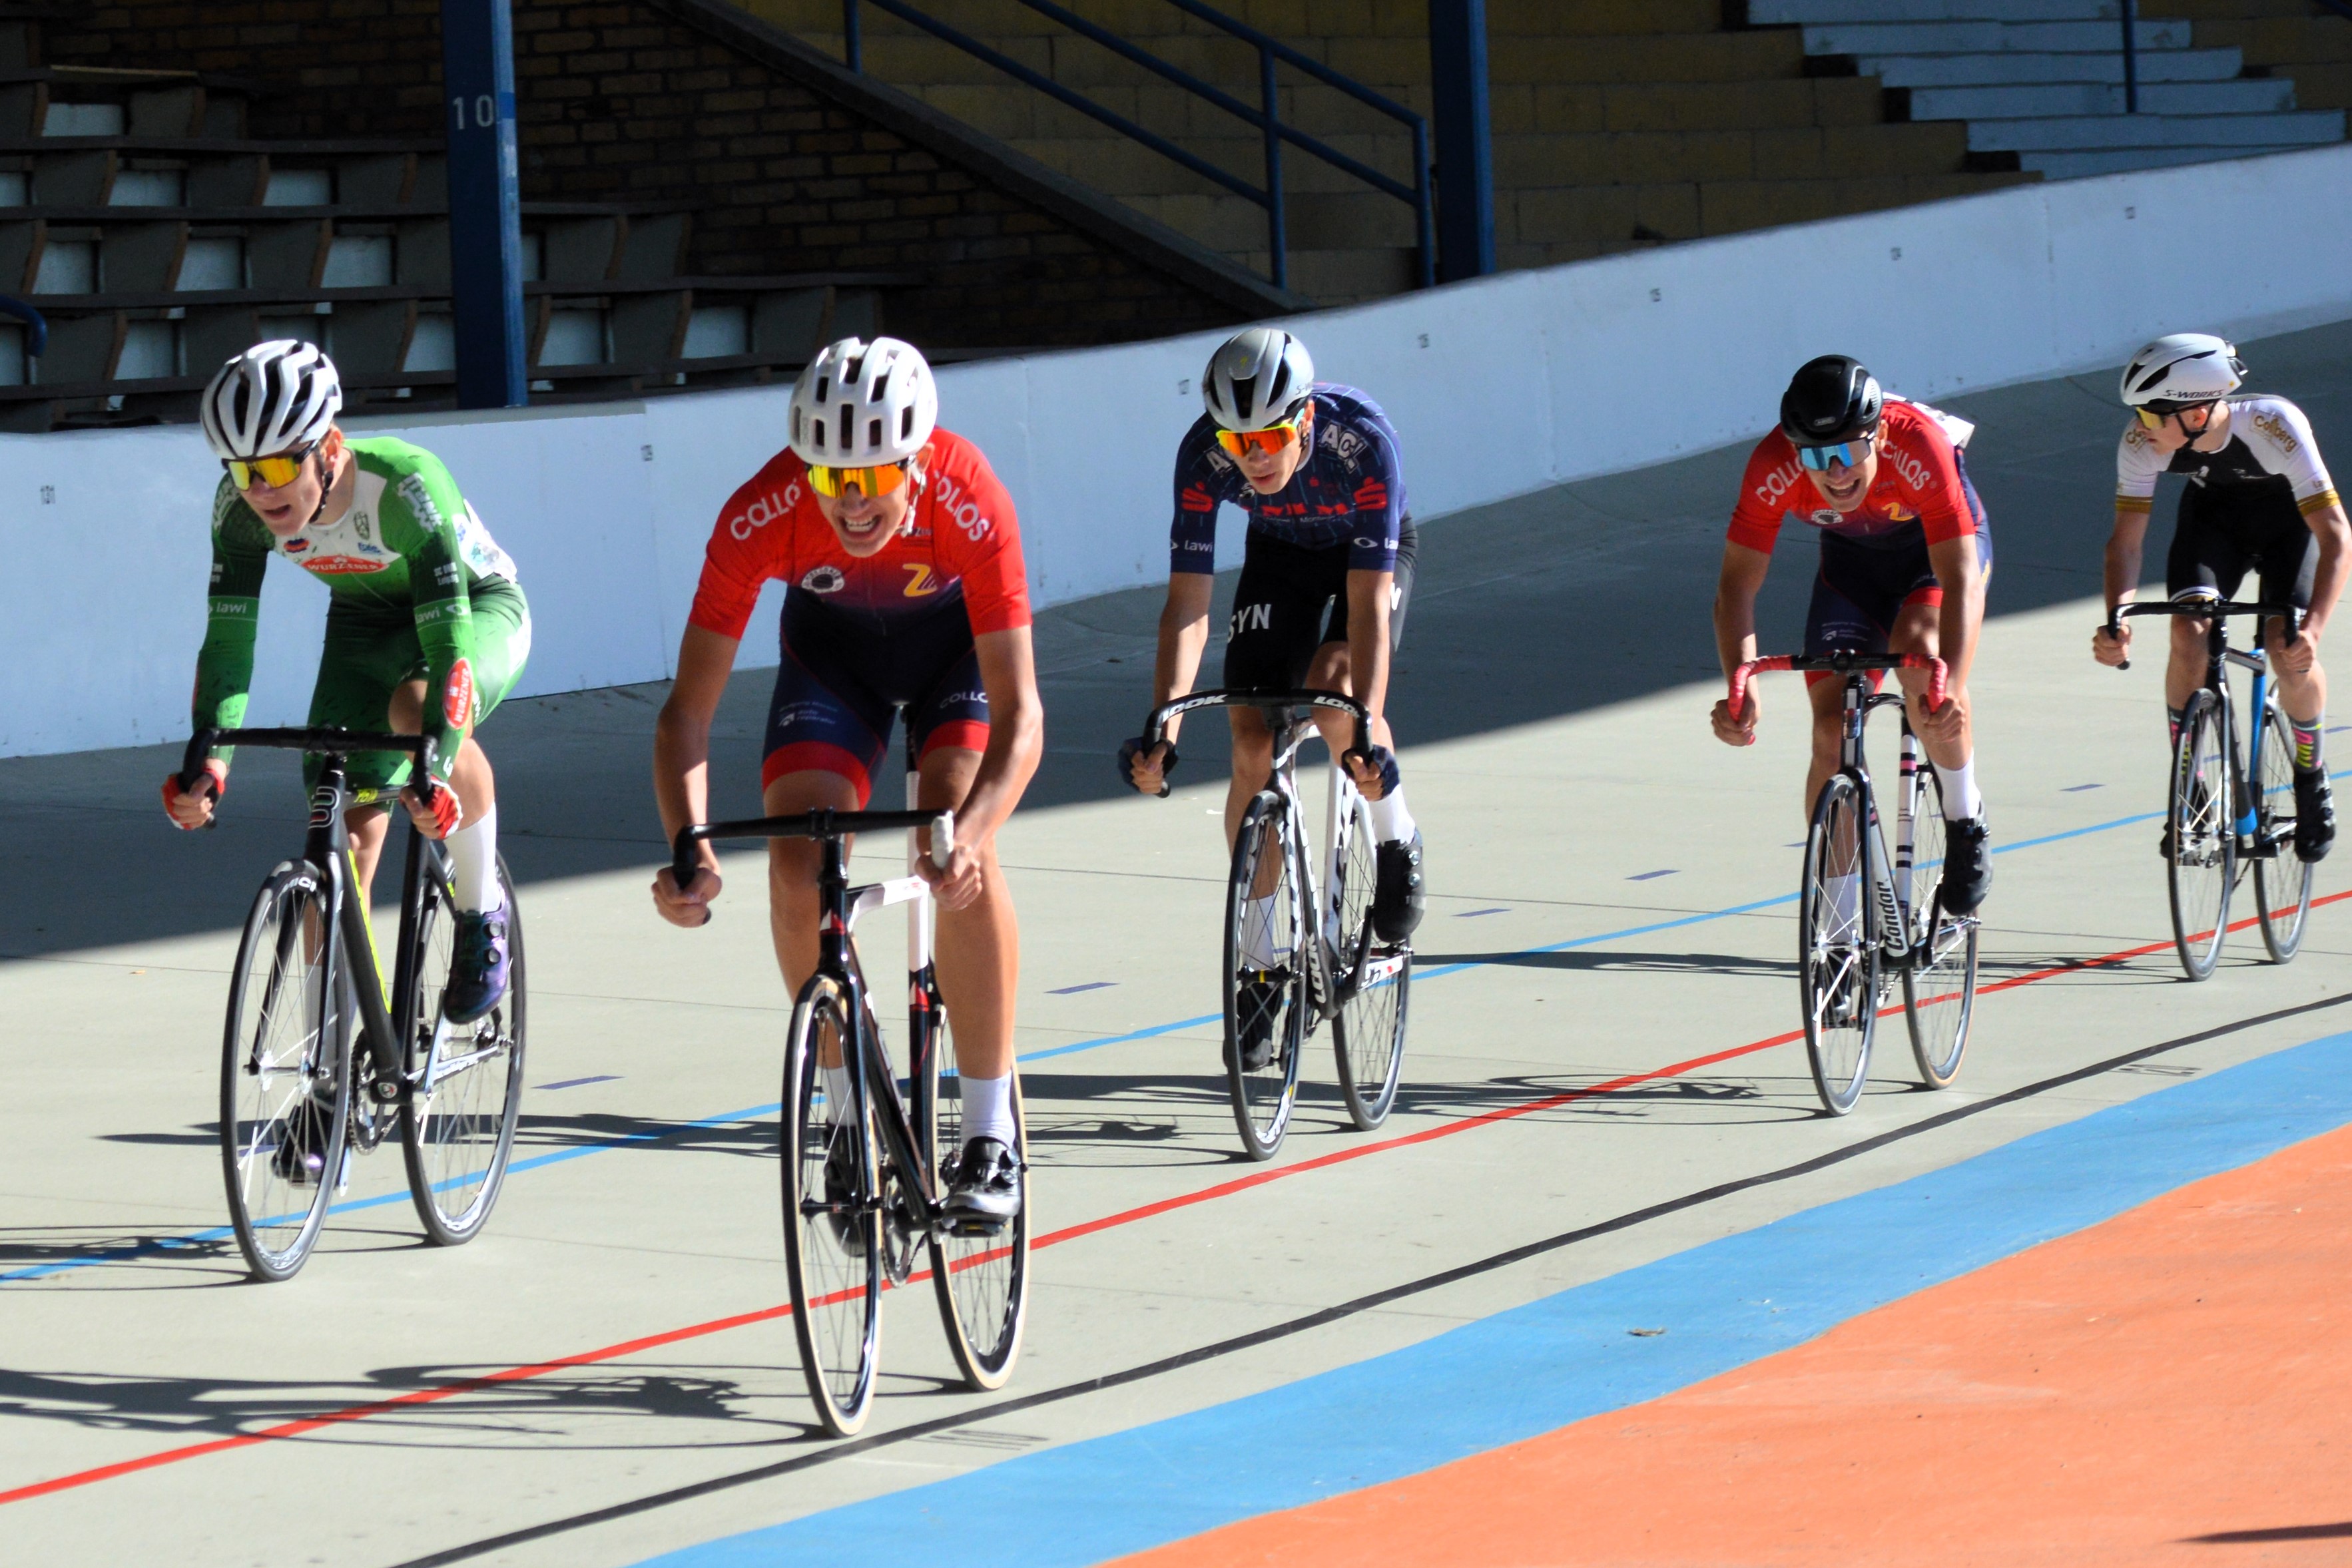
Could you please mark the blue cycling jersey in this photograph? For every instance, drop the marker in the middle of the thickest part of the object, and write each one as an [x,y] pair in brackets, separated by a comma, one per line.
[1349,491]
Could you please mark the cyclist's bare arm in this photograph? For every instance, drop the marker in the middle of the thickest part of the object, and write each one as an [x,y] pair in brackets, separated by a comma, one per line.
[1016,740]
[1183,638]
[1368,596]
[1737,586]
[2334,532]
[2122,580]
[682,765]
[1961,576]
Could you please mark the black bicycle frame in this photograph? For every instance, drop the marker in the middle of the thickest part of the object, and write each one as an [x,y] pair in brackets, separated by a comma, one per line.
[327,845]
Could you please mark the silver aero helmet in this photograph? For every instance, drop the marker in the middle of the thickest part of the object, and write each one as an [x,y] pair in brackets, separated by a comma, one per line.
[861,405]
[2185,369]
[273,398]
[1257,379]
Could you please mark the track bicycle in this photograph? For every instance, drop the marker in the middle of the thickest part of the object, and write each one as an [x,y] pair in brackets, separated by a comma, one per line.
[320,1054]
[2215,823]
[863,1167]
[1863,917]
[1277,986]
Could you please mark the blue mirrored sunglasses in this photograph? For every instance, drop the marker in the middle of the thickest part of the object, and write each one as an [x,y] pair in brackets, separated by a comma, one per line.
[1819,458]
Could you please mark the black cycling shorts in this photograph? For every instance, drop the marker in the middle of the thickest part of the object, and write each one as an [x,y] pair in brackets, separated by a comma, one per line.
[840,681]
[2217,536]
[1292,600]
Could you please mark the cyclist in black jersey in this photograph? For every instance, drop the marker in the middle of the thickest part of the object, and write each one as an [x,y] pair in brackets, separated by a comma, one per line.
[1327,572]
[2259,497]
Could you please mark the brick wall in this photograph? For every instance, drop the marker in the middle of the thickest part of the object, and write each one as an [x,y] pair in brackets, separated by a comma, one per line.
[629,100]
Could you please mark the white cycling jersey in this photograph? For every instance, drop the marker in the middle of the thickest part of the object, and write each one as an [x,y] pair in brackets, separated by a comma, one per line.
[2270,444]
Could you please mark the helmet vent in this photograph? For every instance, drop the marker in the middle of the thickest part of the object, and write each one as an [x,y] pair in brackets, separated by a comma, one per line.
[874,433]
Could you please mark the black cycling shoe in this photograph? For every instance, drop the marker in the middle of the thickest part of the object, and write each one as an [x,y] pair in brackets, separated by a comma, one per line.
[1260,1005]
[1967,866]
[301,1156]
[2315,815]
[1397,897]
[841,1192]
[983,1185]
[480,968]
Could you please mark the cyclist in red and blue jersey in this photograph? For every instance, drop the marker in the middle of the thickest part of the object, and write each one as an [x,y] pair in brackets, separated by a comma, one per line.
[1327,570]
[903,590]
[1906,550]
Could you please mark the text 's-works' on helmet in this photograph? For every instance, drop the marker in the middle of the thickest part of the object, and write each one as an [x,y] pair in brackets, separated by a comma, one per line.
[2183,368]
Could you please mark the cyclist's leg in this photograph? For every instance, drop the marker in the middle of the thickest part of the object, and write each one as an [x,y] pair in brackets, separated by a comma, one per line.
[1277,621]
[826,738]
[2206,559]
[1399,896]
[367,655]
[2289,559]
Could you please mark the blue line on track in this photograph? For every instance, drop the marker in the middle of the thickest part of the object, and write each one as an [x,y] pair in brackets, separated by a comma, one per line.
[1535,1368]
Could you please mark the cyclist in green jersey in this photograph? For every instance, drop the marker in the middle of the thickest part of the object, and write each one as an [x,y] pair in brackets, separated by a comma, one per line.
[426,630]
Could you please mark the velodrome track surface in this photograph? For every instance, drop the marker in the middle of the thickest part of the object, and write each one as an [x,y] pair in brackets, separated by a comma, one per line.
[1404,1346]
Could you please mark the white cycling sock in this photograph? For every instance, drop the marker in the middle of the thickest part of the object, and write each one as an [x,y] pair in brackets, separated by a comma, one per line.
[1845,902]
[988,1108]
[837,1088]
[1962,801]
[1260,949]
[1390,821]
[474,864]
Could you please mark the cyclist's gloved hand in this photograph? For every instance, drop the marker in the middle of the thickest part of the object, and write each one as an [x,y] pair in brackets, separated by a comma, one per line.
[1129,751]
[430,800]
[1378,765]
[209,788]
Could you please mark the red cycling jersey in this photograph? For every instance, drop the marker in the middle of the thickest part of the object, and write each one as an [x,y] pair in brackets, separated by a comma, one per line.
[962,541]
[1918,487]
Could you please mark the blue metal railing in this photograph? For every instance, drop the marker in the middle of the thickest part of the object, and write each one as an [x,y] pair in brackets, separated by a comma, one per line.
[37,326]
[1266,116]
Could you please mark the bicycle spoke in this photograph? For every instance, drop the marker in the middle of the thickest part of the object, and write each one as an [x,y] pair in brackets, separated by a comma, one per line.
[457,1129]
[2282,880]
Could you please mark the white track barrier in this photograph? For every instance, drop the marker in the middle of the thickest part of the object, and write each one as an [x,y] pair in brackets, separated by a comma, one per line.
[1498,387]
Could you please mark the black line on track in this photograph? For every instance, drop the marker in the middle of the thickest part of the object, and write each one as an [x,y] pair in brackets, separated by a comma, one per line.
[1329,1315]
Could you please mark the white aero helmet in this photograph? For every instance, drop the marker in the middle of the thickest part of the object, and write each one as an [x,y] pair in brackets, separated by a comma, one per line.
[2187,368]
[1257,379]
[275,397]
[861,405]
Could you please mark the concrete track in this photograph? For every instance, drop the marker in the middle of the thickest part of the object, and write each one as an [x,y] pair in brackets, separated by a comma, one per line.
[1598,1076]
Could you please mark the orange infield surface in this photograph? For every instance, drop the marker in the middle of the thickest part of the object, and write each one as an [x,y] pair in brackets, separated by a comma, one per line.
[2172,1385]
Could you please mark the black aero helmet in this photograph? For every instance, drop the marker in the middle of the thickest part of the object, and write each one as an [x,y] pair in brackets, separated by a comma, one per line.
[1830,400]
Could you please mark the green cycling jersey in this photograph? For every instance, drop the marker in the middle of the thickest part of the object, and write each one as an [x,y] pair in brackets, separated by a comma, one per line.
[409,546]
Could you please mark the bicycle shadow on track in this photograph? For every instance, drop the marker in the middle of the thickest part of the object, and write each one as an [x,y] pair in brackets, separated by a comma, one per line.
[162,1260]
[1592,960]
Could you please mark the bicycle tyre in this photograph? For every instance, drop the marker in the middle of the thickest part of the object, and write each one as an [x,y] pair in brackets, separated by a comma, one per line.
[280,1047]
[1939,996]
[1272,997]
[457,1138]
[2203,865]
[983,1282]
[833,1236]
[2281,879]
[1373,982]
[1837,949]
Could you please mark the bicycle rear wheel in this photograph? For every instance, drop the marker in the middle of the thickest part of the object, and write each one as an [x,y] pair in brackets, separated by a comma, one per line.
[1837,946]
[982,1280]
[1265,978]
[457,1132]
[1374,982]
[2199,819]
[2281,879]
[832,1235]
[1939,989]
[285,1091]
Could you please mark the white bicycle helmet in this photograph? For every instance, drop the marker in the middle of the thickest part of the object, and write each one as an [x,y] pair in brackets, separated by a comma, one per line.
[861,405]
[2185,367]
[1257,379]
[275,397]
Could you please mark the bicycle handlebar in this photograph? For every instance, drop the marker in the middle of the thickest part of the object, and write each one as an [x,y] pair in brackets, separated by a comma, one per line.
[2203,609]
[1842,664]
[1155,727]
[819,824]
[326,740]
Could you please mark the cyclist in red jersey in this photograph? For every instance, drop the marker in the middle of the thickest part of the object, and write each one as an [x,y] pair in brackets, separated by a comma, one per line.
[903,590]
[1906,550]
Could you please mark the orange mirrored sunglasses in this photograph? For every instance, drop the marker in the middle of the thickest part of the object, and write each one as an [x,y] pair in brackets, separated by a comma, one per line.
[275,472]
[1272,439]
[879,481]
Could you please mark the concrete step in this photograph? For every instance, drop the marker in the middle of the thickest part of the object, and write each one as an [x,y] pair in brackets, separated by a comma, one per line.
[2304,128]
[1782,12]
[1992,37]
[2044,100]
[2013,70]
[2122,160]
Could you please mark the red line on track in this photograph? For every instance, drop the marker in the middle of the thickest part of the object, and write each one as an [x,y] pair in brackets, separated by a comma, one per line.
[1068,1233]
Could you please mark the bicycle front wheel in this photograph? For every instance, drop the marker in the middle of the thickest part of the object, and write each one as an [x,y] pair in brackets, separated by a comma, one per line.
[832,1233]
[982,1280]
[457,1132]
[1374,982]
[1939,987]
[2202,836]
[285,1091]
[2282,880]
[1266,976]
[1837,946]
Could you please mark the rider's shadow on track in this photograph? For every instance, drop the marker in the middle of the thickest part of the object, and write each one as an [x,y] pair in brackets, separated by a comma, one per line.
[1590,961]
